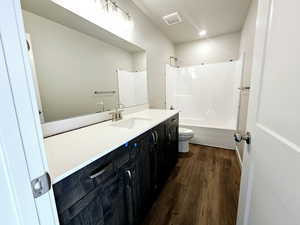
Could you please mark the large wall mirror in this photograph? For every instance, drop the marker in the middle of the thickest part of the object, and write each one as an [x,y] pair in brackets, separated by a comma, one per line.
[79,68]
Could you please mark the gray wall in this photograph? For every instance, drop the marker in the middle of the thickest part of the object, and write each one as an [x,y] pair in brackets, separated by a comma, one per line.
[139,61]
[212,50]
[71,66]
[159,48]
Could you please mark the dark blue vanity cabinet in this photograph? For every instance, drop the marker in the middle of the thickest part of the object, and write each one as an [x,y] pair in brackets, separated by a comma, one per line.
[172,135]
[158,158]
[120,188]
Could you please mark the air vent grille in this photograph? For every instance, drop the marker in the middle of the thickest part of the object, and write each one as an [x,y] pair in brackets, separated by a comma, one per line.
[172,19]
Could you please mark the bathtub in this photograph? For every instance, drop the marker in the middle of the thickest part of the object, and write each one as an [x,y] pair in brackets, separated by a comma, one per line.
[215,134]
[207,97]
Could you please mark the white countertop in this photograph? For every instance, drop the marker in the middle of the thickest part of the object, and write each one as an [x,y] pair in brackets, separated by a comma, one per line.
[71,151]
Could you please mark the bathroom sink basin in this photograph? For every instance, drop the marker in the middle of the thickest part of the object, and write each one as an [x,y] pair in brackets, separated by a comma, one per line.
[132,123]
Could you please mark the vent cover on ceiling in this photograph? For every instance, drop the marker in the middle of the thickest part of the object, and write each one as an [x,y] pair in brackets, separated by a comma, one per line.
[172,19]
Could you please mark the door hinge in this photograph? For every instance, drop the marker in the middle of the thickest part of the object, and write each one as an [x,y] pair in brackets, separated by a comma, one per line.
[41,185]
[239,138]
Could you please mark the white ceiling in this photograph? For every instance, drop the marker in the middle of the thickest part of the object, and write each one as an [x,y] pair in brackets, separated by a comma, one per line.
[216,16]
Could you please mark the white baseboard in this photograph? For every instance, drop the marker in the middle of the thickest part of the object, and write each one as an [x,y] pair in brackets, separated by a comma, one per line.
[239,157]
[214,137]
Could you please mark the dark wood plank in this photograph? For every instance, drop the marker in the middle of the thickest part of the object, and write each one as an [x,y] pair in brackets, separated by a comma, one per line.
[202,190]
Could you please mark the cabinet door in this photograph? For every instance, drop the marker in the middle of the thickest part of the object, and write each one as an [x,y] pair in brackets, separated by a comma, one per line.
[113,202]
[174,131]
[154,161]
[133,186]
[160,152]
[87,211]
[144,172]
[172,142]
[131,195]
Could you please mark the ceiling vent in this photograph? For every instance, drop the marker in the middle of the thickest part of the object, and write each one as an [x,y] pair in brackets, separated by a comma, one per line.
[172,19]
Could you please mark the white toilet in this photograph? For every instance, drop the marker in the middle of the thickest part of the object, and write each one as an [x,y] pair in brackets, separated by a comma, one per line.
[185,135]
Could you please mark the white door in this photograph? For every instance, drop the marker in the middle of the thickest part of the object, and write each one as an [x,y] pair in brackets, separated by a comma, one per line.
[22,157]
[270,190]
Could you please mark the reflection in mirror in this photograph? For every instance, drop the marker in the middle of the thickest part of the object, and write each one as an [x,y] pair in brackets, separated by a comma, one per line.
[75,73]
[133,88]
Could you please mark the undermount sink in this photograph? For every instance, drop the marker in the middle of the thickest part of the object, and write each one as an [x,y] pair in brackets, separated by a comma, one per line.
[132,123]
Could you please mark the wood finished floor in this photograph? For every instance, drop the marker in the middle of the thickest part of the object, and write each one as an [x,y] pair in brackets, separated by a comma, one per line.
[202,190]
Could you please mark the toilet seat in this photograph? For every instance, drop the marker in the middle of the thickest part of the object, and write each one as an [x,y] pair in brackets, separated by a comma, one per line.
[185,131]
[185,134]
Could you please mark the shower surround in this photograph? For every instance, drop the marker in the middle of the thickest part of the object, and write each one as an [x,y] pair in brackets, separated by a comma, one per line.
[208,99]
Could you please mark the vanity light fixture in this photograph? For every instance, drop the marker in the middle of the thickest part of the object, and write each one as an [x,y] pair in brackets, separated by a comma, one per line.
[120,17]
[111,5]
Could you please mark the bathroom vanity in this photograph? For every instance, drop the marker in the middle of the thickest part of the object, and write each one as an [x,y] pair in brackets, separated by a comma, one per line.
[117,184]
[103,172]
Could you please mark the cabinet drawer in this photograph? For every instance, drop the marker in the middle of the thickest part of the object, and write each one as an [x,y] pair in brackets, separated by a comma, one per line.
[73,188]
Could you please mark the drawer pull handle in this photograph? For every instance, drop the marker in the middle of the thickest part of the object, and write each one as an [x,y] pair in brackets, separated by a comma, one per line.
[129,174]
[99,173]
[169,138]
[174,119]
[153,137]
[156,135]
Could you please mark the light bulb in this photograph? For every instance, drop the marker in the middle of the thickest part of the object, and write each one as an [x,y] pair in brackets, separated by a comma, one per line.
[202,33]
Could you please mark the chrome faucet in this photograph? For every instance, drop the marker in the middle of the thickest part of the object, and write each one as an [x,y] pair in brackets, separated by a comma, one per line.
[117,114]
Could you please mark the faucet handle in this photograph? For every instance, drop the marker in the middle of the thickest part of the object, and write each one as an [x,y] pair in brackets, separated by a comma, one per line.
[120,116]
[114,115]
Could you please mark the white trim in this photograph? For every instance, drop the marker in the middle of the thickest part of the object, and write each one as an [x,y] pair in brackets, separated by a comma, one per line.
[14,171]
[239,156]
[10,207]
[61,126]
[279,137]
[35,79]
[20,128]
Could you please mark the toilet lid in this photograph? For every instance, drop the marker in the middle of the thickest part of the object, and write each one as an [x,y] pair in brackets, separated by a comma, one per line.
[185,132]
